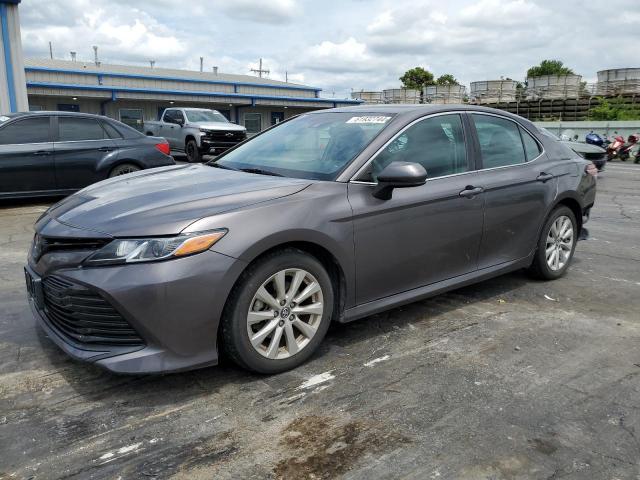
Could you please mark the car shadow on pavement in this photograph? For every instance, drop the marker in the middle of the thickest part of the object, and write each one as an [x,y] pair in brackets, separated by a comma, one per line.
[98,385]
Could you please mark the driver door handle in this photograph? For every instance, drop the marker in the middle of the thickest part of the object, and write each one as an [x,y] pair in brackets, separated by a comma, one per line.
[544,177]
[470,191]
[105,149]
[42,152]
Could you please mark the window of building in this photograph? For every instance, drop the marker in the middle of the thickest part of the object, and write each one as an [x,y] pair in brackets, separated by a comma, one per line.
[253,122]
[68,107]
[31,130]
[132,117]
[500,142]
[35,108]
[531,147]
[437,143]
[78,129]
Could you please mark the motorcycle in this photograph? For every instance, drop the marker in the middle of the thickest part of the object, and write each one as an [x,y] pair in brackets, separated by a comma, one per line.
[624,152]
[594,139]
[614,146]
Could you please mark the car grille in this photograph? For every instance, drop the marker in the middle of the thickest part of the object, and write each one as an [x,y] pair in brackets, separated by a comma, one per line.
[84,316]
[226,136]
[43,245]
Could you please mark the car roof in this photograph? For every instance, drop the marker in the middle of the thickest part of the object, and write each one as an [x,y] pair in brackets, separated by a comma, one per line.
[414,111]
[40,113]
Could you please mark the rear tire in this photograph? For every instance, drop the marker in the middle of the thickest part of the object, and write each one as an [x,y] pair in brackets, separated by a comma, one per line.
[271,333]
[556,245]
[123,169]
[192,151]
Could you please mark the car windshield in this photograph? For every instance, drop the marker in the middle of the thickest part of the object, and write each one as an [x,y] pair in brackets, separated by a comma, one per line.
[313,146]
[205,116]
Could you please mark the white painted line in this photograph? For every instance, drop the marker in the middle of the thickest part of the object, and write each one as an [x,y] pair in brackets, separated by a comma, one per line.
[377,360]
[316,380]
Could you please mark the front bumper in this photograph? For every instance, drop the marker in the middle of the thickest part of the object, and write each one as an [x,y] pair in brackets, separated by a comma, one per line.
[175,306]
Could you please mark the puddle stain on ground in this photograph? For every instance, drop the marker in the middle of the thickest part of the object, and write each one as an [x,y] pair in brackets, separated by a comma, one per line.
[323,449]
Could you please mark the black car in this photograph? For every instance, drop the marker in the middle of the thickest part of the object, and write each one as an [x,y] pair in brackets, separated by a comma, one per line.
[57,153]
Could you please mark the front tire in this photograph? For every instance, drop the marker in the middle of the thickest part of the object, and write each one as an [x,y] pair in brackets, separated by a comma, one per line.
[556,245]
[278,313]
[192,151]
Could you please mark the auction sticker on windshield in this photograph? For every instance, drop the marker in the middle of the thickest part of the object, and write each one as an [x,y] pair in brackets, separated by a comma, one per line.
[368,119]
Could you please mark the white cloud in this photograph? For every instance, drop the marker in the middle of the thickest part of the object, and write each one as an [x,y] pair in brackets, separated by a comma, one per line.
[261,11]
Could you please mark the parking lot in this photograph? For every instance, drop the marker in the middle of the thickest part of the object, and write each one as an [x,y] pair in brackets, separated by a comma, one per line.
[511,378]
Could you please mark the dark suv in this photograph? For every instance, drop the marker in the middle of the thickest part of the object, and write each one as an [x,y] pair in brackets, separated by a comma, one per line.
[57,153]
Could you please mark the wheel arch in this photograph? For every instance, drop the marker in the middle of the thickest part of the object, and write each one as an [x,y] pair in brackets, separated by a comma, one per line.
[328,260]
[121,161]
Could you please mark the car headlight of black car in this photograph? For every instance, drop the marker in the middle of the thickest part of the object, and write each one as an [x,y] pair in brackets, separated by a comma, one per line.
[135,250]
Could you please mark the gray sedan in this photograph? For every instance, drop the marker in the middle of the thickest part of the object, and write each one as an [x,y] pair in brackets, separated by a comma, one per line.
[334,215]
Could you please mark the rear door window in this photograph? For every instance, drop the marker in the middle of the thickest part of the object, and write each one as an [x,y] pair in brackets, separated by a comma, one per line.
[500,141]
[79,129]
[30,130]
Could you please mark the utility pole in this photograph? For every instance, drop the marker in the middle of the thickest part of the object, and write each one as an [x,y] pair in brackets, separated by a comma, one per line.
[50,51]
[260,70]
[95,55]
[286,76]
[152,63]
[201,63]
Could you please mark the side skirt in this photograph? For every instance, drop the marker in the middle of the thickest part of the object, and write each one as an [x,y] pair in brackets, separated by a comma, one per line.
[410,296]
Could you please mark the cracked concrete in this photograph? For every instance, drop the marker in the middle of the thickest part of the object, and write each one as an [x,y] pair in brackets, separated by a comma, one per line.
[507,379]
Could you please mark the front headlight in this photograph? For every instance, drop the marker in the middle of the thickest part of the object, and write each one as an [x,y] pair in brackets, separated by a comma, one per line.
[150,249]
[204,131]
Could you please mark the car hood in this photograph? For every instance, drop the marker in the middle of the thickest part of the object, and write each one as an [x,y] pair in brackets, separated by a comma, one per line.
[231,127]
[160,201]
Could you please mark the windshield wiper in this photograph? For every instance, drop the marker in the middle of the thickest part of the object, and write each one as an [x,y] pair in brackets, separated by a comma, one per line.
[217,165]
[261,171]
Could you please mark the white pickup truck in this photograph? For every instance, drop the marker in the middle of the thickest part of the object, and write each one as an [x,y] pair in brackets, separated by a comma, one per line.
[196,131]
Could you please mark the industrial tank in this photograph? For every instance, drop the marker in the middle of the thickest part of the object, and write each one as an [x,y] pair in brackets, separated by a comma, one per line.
[493,91]
[368,97]
[549,87]
[618,81]
[401,95]
[441,94]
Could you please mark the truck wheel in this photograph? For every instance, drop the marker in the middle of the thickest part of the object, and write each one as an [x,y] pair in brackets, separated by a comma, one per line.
[192,151]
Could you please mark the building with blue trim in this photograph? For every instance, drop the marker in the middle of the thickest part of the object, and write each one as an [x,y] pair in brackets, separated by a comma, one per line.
[134,94]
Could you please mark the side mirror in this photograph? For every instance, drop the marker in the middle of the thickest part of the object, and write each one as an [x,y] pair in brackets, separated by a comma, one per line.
[180,121]
[399,175]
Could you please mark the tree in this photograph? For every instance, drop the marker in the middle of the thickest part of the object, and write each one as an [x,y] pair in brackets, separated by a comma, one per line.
[614,109]
[447,79]
[416,78]
[549,67]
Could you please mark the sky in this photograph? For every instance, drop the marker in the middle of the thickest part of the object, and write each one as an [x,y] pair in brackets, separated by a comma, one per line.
[341,46]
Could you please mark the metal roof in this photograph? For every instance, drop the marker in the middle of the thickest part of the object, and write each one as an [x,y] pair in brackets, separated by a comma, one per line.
[160,73]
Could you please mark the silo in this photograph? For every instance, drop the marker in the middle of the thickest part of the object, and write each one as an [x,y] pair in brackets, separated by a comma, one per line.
[401,95]
[549,87]
[369,98]
[493,91]
[618,81]
[441,94]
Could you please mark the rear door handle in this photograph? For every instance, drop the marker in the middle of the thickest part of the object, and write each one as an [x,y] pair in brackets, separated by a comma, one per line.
[470,191]
[42,152]
[105,149]
[544,177]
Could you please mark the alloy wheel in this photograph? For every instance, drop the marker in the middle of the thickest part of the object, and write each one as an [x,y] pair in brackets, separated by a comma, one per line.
[559,244]
[285,313]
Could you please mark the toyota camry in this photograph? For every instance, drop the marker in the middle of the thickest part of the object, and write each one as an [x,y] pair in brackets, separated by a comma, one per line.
[333,215]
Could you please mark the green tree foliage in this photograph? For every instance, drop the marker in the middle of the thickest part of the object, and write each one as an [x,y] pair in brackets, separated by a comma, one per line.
[447,79]
[416,78]
[614,109]
[549,67]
